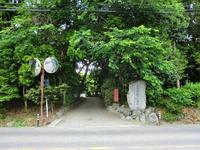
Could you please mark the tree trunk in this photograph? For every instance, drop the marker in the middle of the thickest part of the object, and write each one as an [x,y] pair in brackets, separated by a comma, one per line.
[52,107]
[25,100]
[178,83]
[25,105]
[64,98]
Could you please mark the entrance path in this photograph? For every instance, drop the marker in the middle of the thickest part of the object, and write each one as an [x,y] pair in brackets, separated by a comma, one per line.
[92,113]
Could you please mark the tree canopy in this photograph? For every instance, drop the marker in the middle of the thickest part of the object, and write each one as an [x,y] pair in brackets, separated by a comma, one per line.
[153,40]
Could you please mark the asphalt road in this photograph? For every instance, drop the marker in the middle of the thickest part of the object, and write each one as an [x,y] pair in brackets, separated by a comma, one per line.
[91,127]
[102,138]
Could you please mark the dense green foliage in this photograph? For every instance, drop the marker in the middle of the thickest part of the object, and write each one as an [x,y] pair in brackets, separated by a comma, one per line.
[174,100]
[28,36]
[52,93]
[194,89]
[107,91]
[115,42]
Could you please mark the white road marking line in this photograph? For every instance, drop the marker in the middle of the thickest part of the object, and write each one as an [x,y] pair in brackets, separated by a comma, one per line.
[113,148]
[100,148]
[164,146]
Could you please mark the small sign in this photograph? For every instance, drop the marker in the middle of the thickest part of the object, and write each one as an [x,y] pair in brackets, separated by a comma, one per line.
[51,65]
[116,95]
[47,83]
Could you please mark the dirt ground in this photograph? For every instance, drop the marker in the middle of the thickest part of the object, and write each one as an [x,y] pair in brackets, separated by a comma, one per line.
[191,116]
[19,118]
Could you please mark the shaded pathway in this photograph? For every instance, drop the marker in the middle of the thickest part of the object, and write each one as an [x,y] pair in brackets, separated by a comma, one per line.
[92,113]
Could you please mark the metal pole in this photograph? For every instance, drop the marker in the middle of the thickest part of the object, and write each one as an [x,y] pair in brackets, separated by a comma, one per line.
[159,116]
[42,96]
[38,120]
[47,108]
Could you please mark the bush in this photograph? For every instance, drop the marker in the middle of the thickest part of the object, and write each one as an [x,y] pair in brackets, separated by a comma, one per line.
[179,96]
[194,90]
[171,107]
[2,111]
[55,94]
[33,95]
[167,116]
[2,116]
[107,91]
[174,100]
[154,96]
[174,108]
[19,124]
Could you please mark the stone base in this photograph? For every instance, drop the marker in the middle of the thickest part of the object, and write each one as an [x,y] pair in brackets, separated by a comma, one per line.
[148,116]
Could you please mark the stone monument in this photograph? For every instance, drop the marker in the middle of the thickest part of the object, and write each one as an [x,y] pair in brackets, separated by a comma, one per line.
[137,95]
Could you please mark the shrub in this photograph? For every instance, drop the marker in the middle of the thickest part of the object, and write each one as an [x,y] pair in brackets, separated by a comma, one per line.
[107,91]
[33,95]
[198,104]
[19,124]
[2,116]
[154,96]
[174,108]
[194,90]
[174,100]
[55,94]
[2,111]
[179,96]
[169,106]
[167,116]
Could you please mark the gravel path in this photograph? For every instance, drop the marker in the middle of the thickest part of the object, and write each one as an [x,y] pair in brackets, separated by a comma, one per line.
[92,113]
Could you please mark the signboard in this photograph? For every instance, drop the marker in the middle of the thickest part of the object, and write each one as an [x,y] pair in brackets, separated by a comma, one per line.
[116,95]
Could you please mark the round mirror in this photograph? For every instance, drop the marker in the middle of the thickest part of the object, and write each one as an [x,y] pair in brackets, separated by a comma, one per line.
[51,65]
[35,67]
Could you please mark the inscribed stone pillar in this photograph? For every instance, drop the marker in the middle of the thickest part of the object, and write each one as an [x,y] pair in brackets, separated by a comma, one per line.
[137,95]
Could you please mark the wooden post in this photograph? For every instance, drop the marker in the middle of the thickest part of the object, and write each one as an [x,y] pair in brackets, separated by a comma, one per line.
[42,96]
[64,98]
[51,107]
